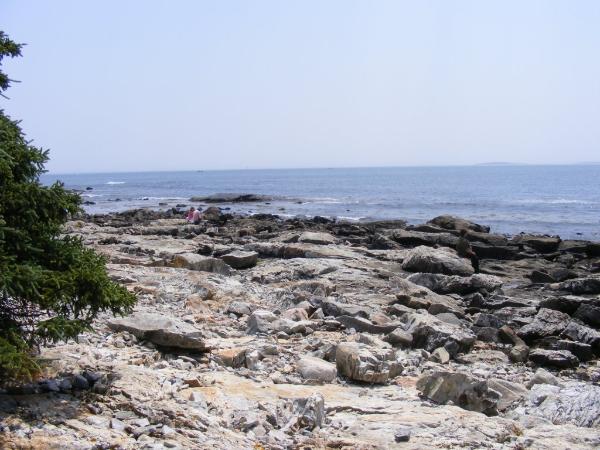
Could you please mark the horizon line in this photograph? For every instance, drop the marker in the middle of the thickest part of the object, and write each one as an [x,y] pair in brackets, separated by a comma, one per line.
[485,164]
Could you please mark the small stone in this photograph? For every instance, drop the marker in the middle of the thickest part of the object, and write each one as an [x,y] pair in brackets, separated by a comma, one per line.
[116,424]
[402,434]
[440,355]
[65,385]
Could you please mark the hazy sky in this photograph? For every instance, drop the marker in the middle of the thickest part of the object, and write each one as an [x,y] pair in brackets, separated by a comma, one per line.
[161,85]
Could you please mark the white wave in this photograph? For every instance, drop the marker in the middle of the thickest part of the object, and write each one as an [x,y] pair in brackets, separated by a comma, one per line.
[555,201]
[92,195]
[115,182]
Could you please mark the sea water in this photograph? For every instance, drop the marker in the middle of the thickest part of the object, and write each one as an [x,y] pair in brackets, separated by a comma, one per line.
[563,200]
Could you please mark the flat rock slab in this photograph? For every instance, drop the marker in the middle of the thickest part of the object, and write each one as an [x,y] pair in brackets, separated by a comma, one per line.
[161,330]
[194,261]
[316,238]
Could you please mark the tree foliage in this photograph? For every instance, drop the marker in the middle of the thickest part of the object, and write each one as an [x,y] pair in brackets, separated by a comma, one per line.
[51,286]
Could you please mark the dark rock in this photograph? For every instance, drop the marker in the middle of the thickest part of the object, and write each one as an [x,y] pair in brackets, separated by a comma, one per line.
[547,322]
[231,198]
[429,332]
[589,314]
[567,304]
[561,359]
[335,309]
[578,286]
[487,320]
[543,244]
[454,284]
[538,276]
[399,337]
[487,334]
[456,223]
[402,434]
[581,333]
[364,325]
[80,382]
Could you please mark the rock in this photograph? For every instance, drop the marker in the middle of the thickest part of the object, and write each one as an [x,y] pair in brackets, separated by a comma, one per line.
[543,244]
[542,376]
[232,198]
[456,223]
[231,357]
[589,285]
[365,326]
[212,214]
[260,321]
[430,260]
[510,393]
[308,414]
[399,337]
[555,358]
[194,261]
[240,259]
[80,382]
[335,309]
[547,322]
[581,333]
[240,308]
[463,390]
[161,330]
[316,369]
[440,355]
[520,351]
[316,238]
[567,304]
[419,297]
[455,284]
[589,314]
[429,333]
[118,425]
[402,434]
[359,362]
[576,403]
[295,314]
[487,320]
[538,276]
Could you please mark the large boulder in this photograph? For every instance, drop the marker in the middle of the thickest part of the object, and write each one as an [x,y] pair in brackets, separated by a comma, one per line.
[589,314]
[455,284]
[461,389]
[456,223]
[366,326]
[547,322]
[581,333]
[240,260]
[436,260]
[360,362]
[335,309]
[429,332]
[161,330]
[194,261]
[316,369]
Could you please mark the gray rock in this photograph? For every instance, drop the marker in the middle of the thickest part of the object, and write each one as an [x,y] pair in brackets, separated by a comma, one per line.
[547,322]
[542,376]
[309,237]
[440,355]
[308,414]
[402,434]
[448,222]
[429,332]
[590,285]
[312,368]
[576,403]
[362,363]
[260,321]
[80,382]
[399,337]
[510,393]
[487,320]
[543,244]
[582,333]
[335,309]
[430,260]
[240,260]
[161,330]
[194,261]
[463,390]
[555,358]
[455,284]
[240,308]
[366,326]
[419,297]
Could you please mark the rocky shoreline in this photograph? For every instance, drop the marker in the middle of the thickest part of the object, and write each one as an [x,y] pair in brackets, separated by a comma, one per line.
[265,332]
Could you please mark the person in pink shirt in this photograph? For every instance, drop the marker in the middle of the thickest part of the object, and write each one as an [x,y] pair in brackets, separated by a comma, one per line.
[190,214]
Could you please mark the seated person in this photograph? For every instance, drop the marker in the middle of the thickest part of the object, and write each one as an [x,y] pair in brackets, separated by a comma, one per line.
[196,217]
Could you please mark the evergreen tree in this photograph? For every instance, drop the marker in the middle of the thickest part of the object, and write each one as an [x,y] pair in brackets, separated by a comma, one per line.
[51,286]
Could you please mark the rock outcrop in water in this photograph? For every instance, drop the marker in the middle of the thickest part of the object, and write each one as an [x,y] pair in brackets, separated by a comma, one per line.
[263,332]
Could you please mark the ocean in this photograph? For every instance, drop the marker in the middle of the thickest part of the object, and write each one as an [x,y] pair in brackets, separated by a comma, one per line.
[563,200]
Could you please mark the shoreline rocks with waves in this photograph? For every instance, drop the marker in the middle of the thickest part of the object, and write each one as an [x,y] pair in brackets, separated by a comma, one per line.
[264,332]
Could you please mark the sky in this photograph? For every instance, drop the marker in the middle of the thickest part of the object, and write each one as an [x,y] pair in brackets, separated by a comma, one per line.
[188,85]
